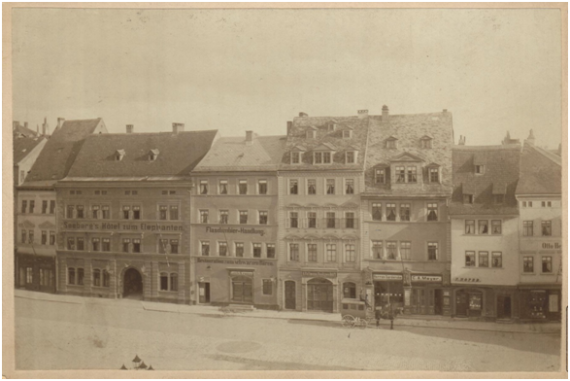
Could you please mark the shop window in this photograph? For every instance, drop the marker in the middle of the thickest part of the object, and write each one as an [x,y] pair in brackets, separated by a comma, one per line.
[224,216]
[205,248]
[95,244]
[126,245]
[222,248]
[377,211]
[270,250]
[469,226]
[380,175]
[52,238]
[330,252]
[223,187]
[331,220]
[406,250]
[546,265]
[294,252]
[294,187]
[51,206]
[106,244]
[262,186]
[483,227]
[528,264]
[349,290]
[267,286]
[377,249]
[203,186]
[470,259]
[392,249]
[497,259]
[432,212]
[243,217]
[400,174]
[311,252]
[25,206]
[528,230]
[553,303]
[312,220]
[412,174]
[239,249]
[483,259]
[136,245]
[204,214]
[44,237]
[433,251]
[350,220]
[390,212]
[405,212]
[434,175]
[293,220]
[330,186]
[242,187]
[496,227]
[257,250]
[263,217]
[546,228]
[70,243]
[44,206]
[349,252]
[312,186]
[349,186]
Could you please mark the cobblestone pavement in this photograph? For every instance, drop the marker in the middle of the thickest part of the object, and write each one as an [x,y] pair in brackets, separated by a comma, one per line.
[91,335]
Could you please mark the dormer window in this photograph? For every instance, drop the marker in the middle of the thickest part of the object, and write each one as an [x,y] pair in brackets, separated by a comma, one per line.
[380,175]
[331,127]
[311,133]
[347,134]
[153,154]
[391,142]
[479,169]
[323,154]
[295,157]
[350,157]
[433,173]
[425,141]
[119,154]
[468,198]
[326,157]
[318,157]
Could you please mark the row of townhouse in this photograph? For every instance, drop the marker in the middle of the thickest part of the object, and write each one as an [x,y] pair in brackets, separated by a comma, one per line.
[383,208]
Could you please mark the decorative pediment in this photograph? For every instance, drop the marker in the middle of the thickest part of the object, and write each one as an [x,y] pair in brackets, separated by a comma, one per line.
[298,148]
[311,205]
[406,157]
[47,225]
[26,224]
[433,165]
[426,137]
[294,206]
[310,237]
[325,147]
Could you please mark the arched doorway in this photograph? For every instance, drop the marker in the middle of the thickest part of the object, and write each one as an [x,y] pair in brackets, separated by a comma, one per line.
[242,289]
[132,284]
[320,295]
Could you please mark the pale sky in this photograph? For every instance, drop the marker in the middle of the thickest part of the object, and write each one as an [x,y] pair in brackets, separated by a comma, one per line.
[237,70]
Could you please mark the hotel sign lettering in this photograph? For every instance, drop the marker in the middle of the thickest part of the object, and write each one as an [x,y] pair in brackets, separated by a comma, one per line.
[118,226]
[467,280]
[238,273]
[551,245]
[230,261]
[426,278]
[323,274]
[228,230]
[387,276]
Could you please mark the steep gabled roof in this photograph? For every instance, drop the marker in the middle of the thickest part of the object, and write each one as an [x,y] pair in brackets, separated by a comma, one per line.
[23,146]
[23,131]
[180,153]
[540,172]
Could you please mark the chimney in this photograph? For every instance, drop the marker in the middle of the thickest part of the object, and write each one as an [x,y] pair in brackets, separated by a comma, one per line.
[289,127]
[530,139]
[461,141]
[45,127]
[249,137]
[177,127]
[60,122]
[130,128]
[385,113]
[303,115]
[362,113]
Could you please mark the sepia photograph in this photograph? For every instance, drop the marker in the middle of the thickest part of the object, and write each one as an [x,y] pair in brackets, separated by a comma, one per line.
[285,190]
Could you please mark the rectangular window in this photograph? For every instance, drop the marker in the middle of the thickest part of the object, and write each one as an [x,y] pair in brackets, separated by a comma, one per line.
[547,265]
[295,157]
[546,228]
[350,157]
[32,206]
[467,198]
[528,264]
[412,174]
[470,259]
[173,282]
[163,211]
[331,220]
[162,246]
[432,251]
[239,249]
[270,250]
[44,206]
[392,249]
[126,245]
[380,175]
[163,281]
[497,259]
[105,211]
[136,212]
[483,227]
[257,250]
[469,226]
[70,210]
[203,186]
[136,245]
[24,235]
[95,212]
[243,217]
[404,212]
[496,227]
[44,237]
[71,243]
[434,175]
[349,220]
[71,275]
[262,186]
[294,252]
[31,236]
[349,186]
[312,220]
[25,205]
[432,213]
[267,287]
[330,252]
[327,157]
[174,212]
[530,204]
[205,248]
[223,187]
[224,216]
[311,252]
[390,212]
[479,169]
[80,276]
[29,275]
[549,204]
[377,211]
[318,158]
[293,219]
[106,246]
[51,206]
[263,217]
[204,214]
[95,244]
[222,248]
[483,259]
[126,212]
[52,238]
[330,186]
[406,250]
[377,250]
[242,187]
[349,253]
[312,186]
[174,246]
[293,186]
[528,228]
[400,174]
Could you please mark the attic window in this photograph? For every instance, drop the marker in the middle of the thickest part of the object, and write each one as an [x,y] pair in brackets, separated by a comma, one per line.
[425,142]
[350,157]
[479,169]
[119,154]
[295,157]
[347,134]
[467,198]
[153,154]
[380,175]
[331,127]
[311,134]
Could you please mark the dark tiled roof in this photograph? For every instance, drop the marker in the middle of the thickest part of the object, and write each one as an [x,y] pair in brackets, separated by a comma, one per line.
[264,153]
[62,147]
[20,130]
[178,154]
[23,146]
[501,172]
[408,131]
[541,172]
[325,139]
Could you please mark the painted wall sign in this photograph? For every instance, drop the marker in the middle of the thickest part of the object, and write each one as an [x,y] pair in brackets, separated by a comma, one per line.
[551,245]
[387,277]
[231,261]
[261,232]
[468,280]
[237,273]
[117,226]
[426,278]
[323,274]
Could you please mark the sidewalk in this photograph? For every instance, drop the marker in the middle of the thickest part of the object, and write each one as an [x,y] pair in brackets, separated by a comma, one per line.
[328,318]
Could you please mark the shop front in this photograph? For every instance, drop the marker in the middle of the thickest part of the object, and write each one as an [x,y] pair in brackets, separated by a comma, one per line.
[388,290]
[540,302]
[36,272]
[427,294]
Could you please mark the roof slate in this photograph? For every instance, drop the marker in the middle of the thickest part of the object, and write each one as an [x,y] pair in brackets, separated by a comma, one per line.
[540,172]
[179,154]
[23,146]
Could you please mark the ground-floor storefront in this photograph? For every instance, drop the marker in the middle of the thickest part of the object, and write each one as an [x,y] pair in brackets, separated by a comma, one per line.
[540,302]
[223,281]
[485,302]
[35,272]
[148,277]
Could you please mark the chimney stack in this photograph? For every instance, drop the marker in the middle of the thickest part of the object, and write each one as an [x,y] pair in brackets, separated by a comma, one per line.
[130,128]
[530,139]
[303,115]
[289,127]
[45,127]
[461,140]
[60,122]
[362,113]
[249,137]
[177,127]
[385,113]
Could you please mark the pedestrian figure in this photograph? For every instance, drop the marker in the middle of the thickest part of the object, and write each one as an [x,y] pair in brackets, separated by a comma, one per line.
[378,315]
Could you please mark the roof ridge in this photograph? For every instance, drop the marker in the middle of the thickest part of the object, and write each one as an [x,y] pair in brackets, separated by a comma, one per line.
[152,133]
[548,155]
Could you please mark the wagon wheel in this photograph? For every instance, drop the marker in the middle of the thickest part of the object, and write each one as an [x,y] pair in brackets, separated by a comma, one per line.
[348,321]
[363,323]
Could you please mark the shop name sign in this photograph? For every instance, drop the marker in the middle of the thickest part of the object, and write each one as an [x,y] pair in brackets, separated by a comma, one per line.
[426,278]
[467,280]
[387,277]
[235,230]
[324,274]
[551,245]
[117,226]
[234,261]
[236,273]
